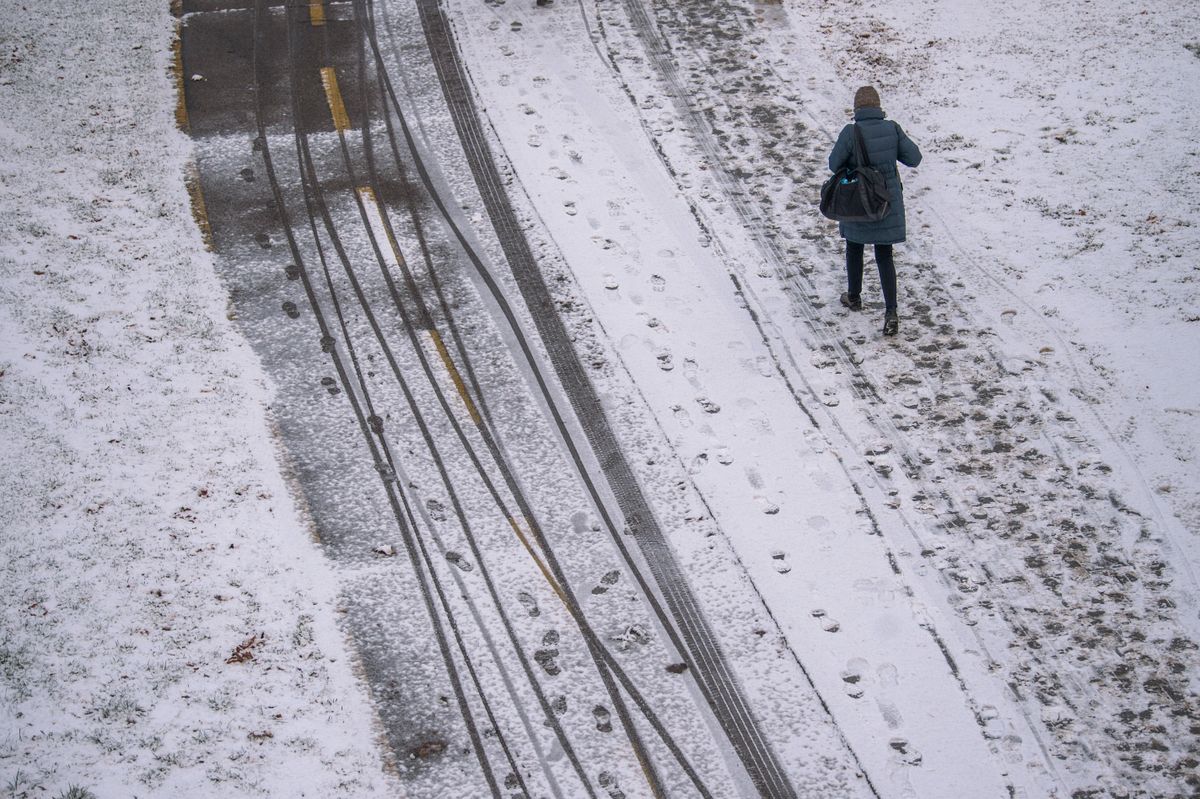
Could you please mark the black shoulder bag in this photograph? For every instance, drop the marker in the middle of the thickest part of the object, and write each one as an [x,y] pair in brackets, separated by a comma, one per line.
[856,193]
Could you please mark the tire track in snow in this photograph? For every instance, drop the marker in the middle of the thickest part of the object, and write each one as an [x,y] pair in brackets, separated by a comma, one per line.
[604,662]
[712,674]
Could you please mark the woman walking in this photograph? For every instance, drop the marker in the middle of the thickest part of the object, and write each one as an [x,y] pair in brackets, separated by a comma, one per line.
[886,143]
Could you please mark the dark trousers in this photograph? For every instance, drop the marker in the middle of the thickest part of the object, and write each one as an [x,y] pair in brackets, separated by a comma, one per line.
[887,271]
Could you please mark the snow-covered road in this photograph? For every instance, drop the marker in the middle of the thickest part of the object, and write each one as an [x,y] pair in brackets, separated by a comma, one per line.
[615,499]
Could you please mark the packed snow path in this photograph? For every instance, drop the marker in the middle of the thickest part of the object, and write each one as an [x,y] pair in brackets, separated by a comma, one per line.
[519,288]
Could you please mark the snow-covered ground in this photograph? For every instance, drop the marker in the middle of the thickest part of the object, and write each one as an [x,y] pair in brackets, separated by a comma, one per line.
[979,542]
[1026,450]
[146,532]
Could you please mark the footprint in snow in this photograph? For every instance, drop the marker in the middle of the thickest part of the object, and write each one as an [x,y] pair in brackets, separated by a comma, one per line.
[781,564]
[603,718]
[707,405]
[526,108]
[607,582]
[291,310]
[292,271]
[263,240]
[989,721]
[459,561]
[658,283]
[765,505]
[247,175]
[724,456]
[754,478]
[437,511]
[530,604]
[559,705]
[608,782]
[534,140]
[634,635]
[828,624]
[891,714]
[905,752]
[698,463]
[690,367]
[665,360]
[681,415]
[889,675]
[330,385]
[548,659]
[569,207]
[653,322]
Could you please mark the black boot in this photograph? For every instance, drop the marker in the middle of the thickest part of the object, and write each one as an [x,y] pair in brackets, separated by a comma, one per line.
[891,323]
[852,301]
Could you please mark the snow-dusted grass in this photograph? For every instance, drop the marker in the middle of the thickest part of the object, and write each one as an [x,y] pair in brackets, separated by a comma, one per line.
[146,533]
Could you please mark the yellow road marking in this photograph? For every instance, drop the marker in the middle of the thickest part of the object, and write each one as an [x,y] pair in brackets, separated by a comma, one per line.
[316,12]
[334,95]
[456,377]
[370,201]
[538,560]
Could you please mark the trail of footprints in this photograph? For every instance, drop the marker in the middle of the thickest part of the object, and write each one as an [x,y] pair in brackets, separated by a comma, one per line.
[859,680]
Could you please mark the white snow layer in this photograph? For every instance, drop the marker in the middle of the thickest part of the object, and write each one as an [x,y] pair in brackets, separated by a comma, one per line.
[146,532]
[1046,377]
[1026,450]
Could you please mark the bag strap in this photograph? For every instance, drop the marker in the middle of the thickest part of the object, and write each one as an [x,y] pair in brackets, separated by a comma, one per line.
[860,147]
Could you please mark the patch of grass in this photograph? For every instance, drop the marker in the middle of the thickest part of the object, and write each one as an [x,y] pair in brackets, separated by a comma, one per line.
[118,707]
[15,665]
[20,786]
[76,792]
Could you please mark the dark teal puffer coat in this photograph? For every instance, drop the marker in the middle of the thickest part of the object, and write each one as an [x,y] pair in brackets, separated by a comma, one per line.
[886,144]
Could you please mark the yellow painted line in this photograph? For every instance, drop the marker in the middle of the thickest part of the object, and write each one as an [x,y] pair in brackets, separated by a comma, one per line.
[456,377]
[316,12]
[334,95]
[371,203]
[538,560]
